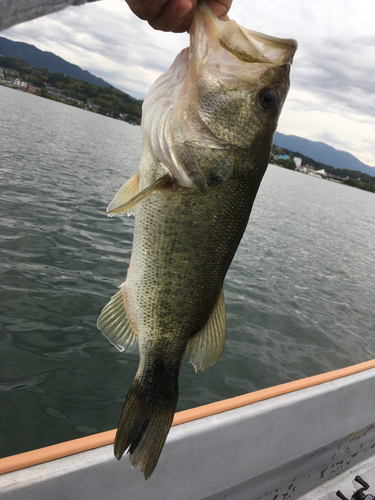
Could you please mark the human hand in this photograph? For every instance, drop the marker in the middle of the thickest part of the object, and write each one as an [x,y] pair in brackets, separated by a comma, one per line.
[173,15]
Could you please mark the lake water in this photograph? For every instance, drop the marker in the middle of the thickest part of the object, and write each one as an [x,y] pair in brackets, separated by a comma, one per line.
[299,294]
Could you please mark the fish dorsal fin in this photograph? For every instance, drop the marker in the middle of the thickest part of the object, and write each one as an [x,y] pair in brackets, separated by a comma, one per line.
[207,345]
[128,196]
[114,323]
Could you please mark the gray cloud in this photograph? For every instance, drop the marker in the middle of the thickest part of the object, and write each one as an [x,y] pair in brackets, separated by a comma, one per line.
[340,72]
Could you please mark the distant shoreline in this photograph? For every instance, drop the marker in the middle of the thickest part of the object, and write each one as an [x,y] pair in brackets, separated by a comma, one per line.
[108,101]
[293,160]
[53,95]
[279,156]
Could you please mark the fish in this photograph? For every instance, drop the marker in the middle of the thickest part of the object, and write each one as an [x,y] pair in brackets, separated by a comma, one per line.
[208,125]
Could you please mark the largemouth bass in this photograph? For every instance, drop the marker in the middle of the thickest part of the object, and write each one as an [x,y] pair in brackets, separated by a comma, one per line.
[208,126]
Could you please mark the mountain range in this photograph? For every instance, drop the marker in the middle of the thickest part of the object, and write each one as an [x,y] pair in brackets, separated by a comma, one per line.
[322,153]
[319,151]
[41,59]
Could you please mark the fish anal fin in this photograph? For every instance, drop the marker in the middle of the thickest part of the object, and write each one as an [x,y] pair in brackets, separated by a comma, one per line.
[115,324]
[128,196]
[207,345]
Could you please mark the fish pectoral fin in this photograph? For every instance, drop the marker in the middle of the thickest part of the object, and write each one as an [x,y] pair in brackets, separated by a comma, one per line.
[114,323]
[207,345]
[126,193]
[128,196]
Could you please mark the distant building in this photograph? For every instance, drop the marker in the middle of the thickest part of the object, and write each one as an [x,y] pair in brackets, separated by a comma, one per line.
[30,88]
[321,172]
[20,84]
[7,83]
[297,161]
[283,157]
[92,106]
[307,169]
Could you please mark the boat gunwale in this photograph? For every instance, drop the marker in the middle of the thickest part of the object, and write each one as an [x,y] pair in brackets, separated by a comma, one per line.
[72,447]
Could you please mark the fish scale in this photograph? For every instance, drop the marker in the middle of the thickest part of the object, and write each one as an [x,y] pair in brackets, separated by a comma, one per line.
[186,252]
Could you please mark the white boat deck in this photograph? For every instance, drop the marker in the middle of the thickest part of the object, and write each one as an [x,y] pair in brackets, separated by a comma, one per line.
[304,444]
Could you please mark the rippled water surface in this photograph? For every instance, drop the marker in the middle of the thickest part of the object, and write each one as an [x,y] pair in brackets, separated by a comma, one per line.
[299,294]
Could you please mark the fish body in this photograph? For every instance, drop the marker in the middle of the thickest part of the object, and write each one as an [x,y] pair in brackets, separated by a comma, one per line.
[208,126]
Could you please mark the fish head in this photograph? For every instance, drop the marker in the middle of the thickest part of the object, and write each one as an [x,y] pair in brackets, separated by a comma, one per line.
[240,78]
[225,92]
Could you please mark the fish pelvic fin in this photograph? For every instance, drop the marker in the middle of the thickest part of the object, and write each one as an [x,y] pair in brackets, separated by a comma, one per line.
[142,431]
[206,346]
[128,195]
[115,324]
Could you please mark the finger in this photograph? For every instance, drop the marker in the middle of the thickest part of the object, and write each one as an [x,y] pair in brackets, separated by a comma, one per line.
[175,16]
[185,25]
[220,7]
[147,9]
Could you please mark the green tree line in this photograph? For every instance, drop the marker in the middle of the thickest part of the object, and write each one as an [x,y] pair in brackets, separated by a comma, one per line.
[111,101]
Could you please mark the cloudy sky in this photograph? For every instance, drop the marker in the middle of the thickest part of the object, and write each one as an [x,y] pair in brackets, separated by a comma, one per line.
[332,96]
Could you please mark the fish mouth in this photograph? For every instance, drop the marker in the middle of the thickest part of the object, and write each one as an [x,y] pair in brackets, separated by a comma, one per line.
[253,47]
[208,34]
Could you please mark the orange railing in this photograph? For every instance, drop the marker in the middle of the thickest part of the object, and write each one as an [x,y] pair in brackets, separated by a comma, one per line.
[67,448]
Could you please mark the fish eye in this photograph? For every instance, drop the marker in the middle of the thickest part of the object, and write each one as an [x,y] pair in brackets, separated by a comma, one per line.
[269,99]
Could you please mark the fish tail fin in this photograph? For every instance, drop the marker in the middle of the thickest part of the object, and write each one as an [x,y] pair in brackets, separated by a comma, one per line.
[142,431]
